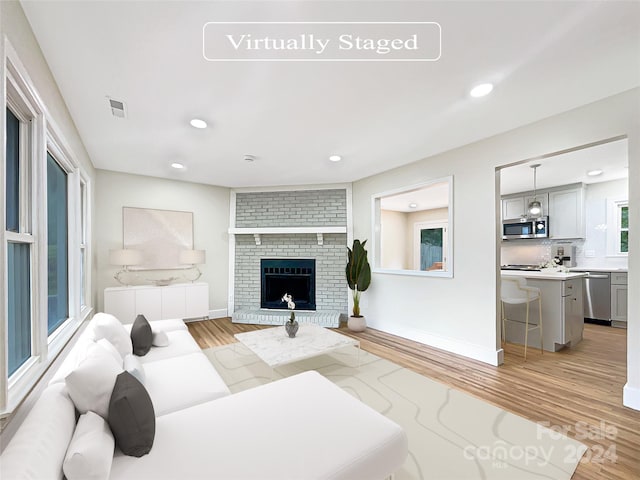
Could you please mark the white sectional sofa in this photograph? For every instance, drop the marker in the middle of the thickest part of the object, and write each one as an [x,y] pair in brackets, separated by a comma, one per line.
[301,427]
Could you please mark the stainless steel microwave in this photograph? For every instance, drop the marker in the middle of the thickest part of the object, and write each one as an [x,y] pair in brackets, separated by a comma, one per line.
[525,228]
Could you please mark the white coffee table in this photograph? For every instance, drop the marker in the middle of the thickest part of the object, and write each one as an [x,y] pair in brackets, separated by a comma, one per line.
[274,347]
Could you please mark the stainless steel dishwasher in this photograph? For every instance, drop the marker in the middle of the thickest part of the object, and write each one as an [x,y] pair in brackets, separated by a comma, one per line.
[597,297]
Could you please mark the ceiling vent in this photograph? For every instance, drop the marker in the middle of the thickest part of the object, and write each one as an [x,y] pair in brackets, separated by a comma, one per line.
[117,108]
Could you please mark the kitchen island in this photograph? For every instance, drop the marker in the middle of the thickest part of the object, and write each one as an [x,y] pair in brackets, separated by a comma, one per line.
[562,312]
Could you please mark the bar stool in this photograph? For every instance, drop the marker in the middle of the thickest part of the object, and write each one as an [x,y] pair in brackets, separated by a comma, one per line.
[514,290]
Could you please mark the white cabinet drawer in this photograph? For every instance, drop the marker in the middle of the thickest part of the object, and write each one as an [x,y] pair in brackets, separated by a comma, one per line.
[570,287]
[618,278]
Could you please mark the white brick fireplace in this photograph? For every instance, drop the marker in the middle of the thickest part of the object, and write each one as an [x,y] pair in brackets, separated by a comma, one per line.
[312,224]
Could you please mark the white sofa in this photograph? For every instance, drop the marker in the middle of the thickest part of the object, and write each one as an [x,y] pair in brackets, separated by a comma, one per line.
[296,428]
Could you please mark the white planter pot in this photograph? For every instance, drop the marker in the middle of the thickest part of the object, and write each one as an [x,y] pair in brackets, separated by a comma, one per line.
[357,324]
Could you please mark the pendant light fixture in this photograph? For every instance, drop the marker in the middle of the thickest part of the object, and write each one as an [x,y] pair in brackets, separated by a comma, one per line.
[534,210]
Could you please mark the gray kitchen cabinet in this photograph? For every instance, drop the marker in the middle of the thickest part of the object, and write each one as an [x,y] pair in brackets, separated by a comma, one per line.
[566,213]
[562,312]
[516,206]
[619,296]
[513,208]
[573,318]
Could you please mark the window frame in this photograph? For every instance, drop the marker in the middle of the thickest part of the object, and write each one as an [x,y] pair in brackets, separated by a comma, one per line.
[620,228]
[376,231]
[614,228]
[85,244]
[18,92]
[21,98]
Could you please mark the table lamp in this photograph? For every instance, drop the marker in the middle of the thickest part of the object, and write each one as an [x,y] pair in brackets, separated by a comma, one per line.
[193,258]
[125,258]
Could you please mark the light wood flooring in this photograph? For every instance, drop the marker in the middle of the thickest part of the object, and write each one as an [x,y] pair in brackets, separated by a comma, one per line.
[579,389]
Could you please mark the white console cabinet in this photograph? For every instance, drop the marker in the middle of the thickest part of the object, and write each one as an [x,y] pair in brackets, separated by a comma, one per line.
[183,300]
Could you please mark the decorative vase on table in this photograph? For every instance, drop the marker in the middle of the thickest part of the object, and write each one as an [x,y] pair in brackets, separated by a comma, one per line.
[291,326]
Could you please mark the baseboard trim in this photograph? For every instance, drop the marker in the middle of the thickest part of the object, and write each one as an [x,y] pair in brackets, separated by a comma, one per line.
[631,397]
[469,350]
[219,313]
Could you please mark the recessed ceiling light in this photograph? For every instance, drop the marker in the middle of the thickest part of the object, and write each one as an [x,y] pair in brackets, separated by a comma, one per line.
[335,158]
[594,173]
[177,166]
[413,205]
[481,90]
[197,123]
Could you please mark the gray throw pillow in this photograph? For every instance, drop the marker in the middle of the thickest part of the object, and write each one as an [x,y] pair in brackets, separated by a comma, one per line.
[141,336]
[131,416]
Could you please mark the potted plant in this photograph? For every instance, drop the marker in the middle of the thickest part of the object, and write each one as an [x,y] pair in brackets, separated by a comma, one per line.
[358,274]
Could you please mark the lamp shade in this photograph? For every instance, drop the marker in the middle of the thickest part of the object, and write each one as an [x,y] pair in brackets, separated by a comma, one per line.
[192,257]
[125,257]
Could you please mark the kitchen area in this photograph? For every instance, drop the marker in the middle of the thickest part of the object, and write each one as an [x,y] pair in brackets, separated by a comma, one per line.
[564,225]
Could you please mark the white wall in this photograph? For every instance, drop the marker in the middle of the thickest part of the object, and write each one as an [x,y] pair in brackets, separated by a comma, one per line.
[460,314]
[393,232]
[210,207]
[596,200]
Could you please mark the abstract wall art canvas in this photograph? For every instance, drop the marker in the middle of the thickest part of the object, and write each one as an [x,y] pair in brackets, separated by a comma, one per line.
[159,234]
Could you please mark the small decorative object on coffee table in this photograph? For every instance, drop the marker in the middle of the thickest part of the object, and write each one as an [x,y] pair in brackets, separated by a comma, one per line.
[292,325]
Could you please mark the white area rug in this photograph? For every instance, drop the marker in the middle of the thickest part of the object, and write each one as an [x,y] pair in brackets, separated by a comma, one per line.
[452,435]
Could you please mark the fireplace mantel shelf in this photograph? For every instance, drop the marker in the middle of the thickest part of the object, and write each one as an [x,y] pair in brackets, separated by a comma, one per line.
[258,231]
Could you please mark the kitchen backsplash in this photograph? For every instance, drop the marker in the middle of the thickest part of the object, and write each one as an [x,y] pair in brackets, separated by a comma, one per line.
[535,252]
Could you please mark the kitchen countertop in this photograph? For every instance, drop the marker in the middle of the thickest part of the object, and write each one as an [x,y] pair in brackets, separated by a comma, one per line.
[543,274]
[599,269]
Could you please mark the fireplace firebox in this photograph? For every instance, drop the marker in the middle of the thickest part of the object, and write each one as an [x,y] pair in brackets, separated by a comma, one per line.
[296,277]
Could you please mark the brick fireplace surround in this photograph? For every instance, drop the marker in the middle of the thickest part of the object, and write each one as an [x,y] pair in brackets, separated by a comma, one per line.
[309,209]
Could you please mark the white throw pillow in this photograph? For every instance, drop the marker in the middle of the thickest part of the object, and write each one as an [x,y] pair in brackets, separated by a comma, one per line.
[108,346]
[109,327]
[90,384]
[90,451]
[133,365]
[160,339]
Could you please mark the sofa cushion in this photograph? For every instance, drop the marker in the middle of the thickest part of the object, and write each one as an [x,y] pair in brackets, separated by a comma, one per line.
[141,336]
[108,346]
[180,343]
[90,384]
[133,365]
[160,339]
[167,325]
[107,326]
[73,357]
[131,416]
[303,426]
[181,382]
[90,452]
[38,448]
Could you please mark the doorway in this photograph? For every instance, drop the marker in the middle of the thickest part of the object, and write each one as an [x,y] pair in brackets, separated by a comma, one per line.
[580,190]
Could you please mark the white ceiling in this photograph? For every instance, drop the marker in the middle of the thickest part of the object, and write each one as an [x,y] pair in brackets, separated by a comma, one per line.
[544,57]
[612,158]
[429,197]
